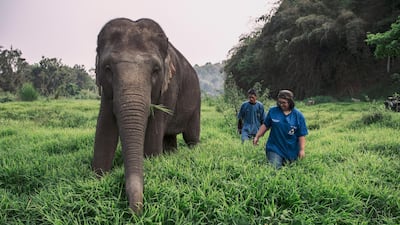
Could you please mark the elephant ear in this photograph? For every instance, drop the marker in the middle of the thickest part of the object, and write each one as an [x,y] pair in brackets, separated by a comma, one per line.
[170,72]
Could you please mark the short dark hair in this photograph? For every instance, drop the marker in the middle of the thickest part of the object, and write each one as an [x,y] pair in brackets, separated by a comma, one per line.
[251,91]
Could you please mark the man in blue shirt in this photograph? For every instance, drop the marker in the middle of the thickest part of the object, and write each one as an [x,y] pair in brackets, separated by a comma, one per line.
[251,116]
[286,141]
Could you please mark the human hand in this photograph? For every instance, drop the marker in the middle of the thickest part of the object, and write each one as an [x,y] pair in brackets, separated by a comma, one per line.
[255,140]
[302,154]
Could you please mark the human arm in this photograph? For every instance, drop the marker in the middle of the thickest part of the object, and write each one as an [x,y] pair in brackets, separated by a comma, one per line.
[302,145]
[240,116]
[240,126]
[260,133]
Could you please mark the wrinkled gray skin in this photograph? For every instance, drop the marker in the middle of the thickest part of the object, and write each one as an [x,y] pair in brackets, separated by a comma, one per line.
[136,66]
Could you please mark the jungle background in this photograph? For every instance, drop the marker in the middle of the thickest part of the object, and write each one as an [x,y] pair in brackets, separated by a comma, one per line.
[319,48]
[343,49]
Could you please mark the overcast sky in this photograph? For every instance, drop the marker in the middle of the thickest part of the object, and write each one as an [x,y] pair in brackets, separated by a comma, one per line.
[203,30]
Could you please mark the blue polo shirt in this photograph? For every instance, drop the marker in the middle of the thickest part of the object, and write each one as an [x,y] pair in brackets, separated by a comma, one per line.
[252,116]
[285,132]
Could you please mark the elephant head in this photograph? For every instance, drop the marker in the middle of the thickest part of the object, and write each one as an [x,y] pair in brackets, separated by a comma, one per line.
[133,70]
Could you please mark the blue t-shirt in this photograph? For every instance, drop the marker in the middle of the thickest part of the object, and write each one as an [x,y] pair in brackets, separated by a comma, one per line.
[285,132]
[252,116]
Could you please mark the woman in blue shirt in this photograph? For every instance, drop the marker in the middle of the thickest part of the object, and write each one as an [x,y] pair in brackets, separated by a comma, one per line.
[286,141]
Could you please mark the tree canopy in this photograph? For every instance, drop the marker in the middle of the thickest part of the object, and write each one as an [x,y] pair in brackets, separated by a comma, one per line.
[316,47]
[49,76]
[387,43]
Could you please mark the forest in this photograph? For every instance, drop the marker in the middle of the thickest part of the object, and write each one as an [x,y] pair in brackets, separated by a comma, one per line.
[322,48]
[48,77]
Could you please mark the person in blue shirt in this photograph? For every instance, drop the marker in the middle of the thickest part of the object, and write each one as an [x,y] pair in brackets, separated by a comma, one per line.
[250,116]
[286,142]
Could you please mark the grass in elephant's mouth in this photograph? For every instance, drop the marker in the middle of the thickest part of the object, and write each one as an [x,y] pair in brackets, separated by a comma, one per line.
[161,108]
[349,176]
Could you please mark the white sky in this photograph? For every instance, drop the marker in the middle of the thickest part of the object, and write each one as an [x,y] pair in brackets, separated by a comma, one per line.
[202,30]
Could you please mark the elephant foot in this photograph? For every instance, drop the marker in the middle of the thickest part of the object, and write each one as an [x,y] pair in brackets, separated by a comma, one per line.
[99,171]
[170,143]
[192,144]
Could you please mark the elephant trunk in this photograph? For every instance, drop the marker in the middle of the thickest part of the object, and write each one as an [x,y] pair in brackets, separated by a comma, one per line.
[132,110]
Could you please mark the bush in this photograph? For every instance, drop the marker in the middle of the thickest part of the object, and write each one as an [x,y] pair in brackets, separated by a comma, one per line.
[87,94]
[6,97]
[28,93]
[373,117]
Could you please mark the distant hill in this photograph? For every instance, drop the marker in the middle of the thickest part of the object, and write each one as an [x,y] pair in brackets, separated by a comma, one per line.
[211,77]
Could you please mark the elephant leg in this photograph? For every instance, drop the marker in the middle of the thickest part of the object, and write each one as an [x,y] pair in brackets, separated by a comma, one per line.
[106,139]
[153,143]
[191,135]
[170,143]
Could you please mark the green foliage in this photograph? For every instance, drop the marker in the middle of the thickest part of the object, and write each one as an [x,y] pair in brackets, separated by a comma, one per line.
[12,70]
[87,94]
[262,94]
[371,118]
[50,77]
[229,103]
[6,97]
[28,93]
[323,54]
[387,43]
[349,176]
[233,96]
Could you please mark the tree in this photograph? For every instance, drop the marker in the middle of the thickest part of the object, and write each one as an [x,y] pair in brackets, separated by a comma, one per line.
[51,77]
[315,47]
[48,75]
[387,43]
[12,70]
[83,79]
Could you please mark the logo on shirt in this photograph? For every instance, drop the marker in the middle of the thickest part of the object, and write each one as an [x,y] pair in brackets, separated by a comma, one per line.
[292,130]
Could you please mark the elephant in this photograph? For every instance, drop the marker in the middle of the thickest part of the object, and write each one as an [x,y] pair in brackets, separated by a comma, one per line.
[138,68]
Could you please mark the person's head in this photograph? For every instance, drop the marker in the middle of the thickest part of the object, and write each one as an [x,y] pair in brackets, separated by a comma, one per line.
[285,100]
[252,95]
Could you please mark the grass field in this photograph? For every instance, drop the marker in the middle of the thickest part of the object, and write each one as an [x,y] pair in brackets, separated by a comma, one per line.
[351,173]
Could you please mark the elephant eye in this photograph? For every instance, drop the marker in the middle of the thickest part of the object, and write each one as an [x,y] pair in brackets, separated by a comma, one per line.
[156,70]
[107,68]
[108,73]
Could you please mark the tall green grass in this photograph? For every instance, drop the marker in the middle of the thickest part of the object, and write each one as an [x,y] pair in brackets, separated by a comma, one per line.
[350,174]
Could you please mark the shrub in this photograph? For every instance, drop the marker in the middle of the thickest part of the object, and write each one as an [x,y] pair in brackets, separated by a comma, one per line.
[28,92]
[6,97]
[87,94]
[373,117]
